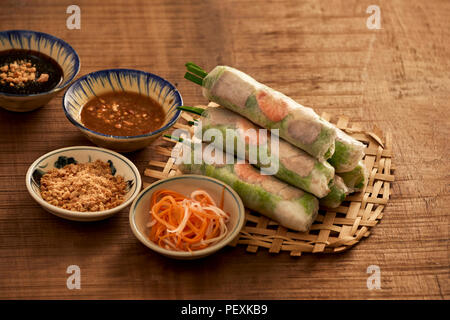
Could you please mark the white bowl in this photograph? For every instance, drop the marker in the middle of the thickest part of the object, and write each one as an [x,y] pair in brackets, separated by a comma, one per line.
[185,184]
[82,154]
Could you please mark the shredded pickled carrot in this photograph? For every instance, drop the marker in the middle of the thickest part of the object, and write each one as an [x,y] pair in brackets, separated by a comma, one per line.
[185,223]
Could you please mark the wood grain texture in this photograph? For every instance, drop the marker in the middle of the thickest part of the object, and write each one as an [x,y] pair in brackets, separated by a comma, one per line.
[318,52]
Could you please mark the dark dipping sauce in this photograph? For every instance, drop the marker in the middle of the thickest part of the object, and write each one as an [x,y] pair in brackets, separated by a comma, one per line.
[43,65]
[122,114]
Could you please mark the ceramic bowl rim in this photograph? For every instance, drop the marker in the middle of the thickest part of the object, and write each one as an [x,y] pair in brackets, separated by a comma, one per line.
[172,121]
[79,214]
[182,254]
[59,86]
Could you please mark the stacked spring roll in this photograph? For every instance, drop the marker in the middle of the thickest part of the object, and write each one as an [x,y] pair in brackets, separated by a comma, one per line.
[271,109]
[295,166]
[300,126]
[289,206]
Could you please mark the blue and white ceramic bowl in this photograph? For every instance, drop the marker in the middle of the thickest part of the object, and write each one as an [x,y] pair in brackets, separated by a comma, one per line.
[186,184]
[99,82]
[119,164]
[47,44]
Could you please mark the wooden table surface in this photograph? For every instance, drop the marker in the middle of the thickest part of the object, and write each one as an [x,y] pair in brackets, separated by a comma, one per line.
[322,54]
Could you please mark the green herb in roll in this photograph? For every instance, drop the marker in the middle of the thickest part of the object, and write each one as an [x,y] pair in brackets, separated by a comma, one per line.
[337,194]
[356,179]
[348,152]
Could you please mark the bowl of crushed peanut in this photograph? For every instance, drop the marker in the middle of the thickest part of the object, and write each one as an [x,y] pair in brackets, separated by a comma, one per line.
[34,67]
[83,183]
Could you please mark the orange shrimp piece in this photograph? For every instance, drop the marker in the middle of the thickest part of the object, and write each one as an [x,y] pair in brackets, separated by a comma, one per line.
[274,109]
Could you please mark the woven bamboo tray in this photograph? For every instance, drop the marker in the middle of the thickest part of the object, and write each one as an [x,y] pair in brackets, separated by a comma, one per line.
[334,230]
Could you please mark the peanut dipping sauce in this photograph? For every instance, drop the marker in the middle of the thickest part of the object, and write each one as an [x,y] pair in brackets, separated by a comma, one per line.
[122,114]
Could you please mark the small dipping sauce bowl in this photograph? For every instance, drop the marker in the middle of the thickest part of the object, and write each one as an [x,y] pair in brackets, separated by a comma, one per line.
[126,80]
[60,51]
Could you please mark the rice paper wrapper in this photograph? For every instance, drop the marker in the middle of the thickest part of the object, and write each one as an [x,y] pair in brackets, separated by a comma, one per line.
[295,166]
[348,152]
[356,179]
[271,109]
[337,194]
[289,206]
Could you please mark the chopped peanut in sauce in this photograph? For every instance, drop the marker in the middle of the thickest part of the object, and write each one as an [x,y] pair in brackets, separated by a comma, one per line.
[122,114]
[20,72]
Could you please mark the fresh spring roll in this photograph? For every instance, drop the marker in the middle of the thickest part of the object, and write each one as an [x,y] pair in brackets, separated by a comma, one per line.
[337,194]
[295,166]
[348,152]
[356,179]
[271,109]
[289,206]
